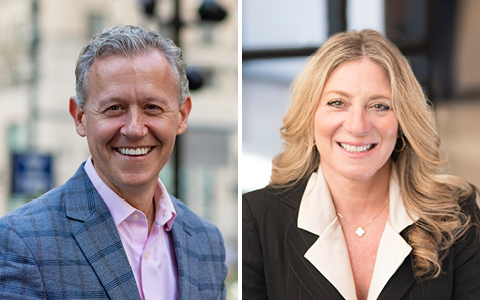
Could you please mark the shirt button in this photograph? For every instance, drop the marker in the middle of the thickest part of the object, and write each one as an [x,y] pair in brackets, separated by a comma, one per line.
[146,256]
[135,217]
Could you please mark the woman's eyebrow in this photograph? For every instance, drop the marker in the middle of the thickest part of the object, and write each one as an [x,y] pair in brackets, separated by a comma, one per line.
[340,92]
[345,94]
[376,97]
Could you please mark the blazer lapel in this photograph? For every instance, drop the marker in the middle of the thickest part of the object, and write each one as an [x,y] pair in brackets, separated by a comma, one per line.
[400,282]
[403,279]
[183,241]
[296,242]
[98,238]
[317,215]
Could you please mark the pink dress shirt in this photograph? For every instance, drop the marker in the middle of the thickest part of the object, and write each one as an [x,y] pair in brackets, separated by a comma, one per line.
[152,257]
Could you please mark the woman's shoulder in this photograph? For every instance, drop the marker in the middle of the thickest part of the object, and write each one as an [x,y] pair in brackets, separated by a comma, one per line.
[290,194]
[470,205]
[470,241]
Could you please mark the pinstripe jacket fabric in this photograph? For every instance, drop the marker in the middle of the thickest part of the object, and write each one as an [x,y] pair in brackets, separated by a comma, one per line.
[64,245]
[275,267]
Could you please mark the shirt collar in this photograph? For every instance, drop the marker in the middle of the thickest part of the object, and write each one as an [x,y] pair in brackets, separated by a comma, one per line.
[317,215]
[165,211]
[120,209]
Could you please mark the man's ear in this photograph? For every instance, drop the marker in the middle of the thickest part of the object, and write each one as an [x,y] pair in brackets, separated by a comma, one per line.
[78,115]
[184,112]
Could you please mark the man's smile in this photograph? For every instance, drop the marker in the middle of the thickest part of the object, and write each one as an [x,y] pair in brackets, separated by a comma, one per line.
[134,151]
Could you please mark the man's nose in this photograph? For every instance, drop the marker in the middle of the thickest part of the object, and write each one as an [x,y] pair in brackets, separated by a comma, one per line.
[134,126]
[358,123]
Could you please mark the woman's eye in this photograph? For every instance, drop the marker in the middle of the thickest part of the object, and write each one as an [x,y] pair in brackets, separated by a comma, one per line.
[381,107]
[335,103]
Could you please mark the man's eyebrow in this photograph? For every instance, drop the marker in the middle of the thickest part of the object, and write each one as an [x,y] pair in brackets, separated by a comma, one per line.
[116,98]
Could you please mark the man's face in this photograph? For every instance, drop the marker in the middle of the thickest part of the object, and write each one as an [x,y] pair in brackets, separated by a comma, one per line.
[131,119]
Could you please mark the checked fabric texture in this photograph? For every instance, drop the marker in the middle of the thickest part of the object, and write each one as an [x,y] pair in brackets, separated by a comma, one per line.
[64,245]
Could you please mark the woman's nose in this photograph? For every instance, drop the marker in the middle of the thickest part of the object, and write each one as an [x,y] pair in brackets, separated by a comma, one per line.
[357,122]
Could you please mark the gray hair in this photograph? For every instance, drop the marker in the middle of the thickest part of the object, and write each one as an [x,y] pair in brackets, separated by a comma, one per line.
[128,41]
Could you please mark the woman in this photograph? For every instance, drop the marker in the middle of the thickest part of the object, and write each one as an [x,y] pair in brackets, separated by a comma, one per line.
[358,206]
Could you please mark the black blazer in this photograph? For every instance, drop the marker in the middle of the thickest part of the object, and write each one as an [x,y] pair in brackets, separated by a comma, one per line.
[274,266]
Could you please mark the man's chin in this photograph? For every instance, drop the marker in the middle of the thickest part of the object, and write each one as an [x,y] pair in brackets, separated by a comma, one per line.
[133,181]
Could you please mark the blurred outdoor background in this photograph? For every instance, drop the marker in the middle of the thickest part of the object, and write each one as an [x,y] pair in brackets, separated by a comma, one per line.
[39,43]
[439,37]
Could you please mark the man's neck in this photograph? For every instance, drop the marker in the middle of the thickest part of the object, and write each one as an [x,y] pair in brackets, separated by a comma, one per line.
[140,197]
[143,200]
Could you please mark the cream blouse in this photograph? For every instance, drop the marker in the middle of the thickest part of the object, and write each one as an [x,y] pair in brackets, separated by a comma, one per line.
[329,253]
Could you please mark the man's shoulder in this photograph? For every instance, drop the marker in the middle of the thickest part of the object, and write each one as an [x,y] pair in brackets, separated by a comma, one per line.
[35,212]
[200,253]
[190,218]
[42,211]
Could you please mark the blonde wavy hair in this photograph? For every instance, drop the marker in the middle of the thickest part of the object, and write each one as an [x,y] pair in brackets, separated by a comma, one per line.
[426,190]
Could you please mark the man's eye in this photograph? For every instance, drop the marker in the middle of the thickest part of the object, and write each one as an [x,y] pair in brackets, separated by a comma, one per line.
[151,106]
[114,107]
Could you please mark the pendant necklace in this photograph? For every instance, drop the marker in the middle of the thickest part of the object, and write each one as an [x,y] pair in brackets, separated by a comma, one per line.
[360,229]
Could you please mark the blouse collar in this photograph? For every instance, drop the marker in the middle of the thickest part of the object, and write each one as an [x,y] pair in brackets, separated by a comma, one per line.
[317,215]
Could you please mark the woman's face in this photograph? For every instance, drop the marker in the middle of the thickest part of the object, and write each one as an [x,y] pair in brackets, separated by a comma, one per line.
[355,126]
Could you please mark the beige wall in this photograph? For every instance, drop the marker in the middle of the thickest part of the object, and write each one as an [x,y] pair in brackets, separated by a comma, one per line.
[64,28]
[467,48]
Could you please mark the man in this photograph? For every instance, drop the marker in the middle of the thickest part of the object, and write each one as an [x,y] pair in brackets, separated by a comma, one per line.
[112,231]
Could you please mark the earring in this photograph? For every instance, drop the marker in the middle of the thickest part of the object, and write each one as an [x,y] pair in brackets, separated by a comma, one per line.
[404,144]
[307,144]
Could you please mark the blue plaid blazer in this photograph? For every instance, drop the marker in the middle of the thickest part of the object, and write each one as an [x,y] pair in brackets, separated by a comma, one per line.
[64,245]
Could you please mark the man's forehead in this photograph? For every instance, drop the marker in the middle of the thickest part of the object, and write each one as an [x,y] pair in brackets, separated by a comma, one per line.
[111,73]
[111,64]
[132,55]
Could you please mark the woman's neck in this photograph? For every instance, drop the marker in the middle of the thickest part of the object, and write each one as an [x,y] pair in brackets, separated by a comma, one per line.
[357,200]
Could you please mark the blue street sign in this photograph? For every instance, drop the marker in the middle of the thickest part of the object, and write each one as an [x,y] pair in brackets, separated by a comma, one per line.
[31,173]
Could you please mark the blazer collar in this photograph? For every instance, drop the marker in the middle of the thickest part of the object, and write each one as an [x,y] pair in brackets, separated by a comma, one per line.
[98,238]
[183,234]
[317,215]
[82,199]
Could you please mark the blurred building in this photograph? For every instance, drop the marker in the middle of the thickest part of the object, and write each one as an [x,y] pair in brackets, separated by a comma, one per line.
[439,38]
[39,43]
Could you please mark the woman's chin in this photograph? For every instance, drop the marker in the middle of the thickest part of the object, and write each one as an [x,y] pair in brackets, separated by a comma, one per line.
[362,173]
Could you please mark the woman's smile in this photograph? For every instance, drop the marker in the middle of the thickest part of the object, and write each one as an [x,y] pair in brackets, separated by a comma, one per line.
[355,127]
[357,149]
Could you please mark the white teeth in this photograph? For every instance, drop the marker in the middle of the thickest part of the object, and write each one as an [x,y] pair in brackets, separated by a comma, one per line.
[131,151]
[355,149]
